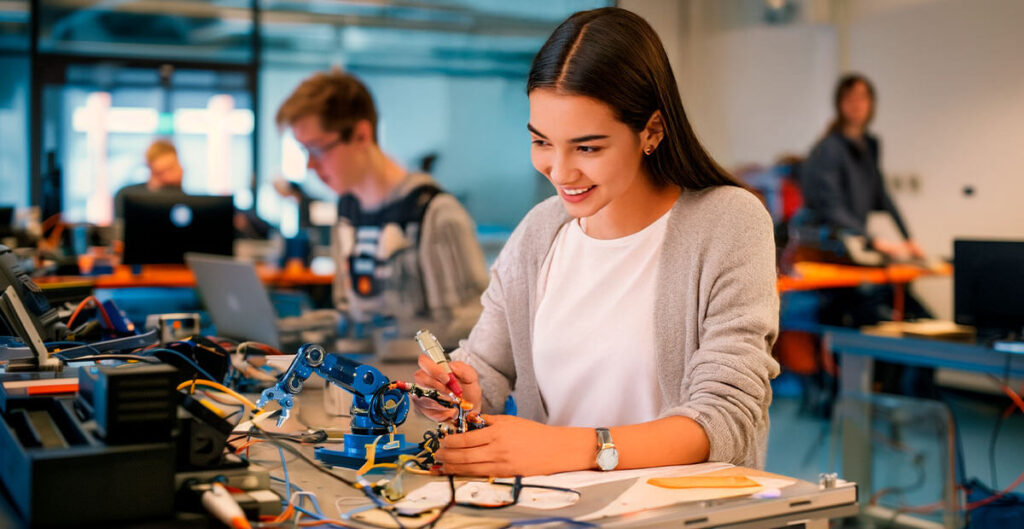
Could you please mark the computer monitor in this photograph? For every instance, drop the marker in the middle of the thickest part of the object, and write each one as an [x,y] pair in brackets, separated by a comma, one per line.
[160,227]
[6,220]
[988,286]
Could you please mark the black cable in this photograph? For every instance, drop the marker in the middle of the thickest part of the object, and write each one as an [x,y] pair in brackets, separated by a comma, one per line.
[272,439]
[446,508]
[992,450]
[316,436]
[517,489]
[918,463]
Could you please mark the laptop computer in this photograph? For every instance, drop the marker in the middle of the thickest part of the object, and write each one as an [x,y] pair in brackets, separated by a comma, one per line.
[241,309]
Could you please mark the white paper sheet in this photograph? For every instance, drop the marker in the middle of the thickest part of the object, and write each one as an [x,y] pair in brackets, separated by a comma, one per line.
[585,478]
[436,494]
[642,496]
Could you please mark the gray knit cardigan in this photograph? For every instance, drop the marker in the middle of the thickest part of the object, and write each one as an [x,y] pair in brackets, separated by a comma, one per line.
[716,317]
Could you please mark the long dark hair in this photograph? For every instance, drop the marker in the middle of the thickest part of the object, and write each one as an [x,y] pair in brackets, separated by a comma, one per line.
[843,87]
[614,56]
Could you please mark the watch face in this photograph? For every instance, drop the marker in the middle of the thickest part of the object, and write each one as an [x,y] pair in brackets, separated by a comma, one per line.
[608,458]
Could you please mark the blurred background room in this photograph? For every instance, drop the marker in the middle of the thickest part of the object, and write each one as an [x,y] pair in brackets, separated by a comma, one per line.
[87,86]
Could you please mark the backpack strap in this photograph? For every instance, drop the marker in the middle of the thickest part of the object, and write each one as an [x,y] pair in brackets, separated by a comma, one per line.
[408,213]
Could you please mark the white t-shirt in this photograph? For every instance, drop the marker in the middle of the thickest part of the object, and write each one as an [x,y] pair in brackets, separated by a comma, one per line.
[593,335]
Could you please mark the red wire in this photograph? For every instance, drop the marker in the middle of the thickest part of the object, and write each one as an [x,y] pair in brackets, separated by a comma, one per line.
[99,308]
[79,309]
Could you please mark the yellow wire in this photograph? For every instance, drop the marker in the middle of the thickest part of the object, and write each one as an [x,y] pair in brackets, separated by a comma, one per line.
[219,387]
[414,470]
[371,456]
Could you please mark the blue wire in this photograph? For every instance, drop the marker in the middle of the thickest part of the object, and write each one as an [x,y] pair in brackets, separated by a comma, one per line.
[287,482]
[183,357]
[316,517]
[63,344]
[316,505]
[294,486]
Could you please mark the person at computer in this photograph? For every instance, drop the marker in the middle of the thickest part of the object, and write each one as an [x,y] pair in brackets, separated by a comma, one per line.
[406,253]
[841,178]
[165,175]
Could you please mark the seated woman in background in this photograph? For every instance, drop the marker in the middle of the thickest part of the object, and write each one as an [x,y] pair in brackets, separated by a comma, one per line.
[632,316]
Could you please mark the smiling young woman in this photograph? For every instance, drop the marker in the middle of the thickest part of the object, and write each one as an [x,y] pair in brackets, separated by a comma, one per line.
[632,316]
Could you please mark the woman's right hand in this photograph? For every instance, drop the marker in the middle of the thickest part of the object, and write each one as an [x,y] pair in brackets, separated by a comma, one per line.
[431,375]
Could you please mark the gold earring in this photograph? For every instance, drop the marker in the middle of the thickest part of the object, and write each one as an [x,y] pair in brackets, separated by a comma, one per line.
[648,150]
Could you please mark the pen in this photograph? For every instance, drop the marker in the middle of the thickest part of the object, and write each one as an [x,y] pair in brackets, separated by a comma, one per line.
[429,344]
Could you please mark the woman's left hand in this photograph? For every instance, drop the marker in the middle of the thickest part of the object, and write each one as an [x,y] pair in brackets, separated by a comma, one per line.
[511,446]
[915,250]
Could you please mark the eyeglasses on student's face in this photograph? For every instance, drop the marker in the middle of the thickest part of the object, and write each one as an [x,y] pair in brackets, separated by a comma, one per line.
[318,153]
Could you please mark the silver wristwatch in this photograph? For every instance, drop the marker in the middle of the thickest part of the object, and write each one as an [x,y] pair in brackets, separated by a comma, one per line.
[607,454]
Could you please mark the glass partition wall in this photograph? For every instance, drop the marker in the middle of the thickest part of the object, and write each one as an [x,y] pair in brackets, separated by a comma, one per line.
[15,43]
[108,77]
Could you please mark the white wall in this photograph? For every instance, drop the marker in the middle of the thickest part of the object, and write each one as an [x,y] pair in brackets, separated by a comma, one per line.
[752,91]
[951,98]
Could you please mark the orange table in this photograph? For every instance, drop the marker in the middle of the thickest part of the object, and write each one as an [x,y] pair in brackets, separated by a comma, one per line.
[813,276]
[180,276]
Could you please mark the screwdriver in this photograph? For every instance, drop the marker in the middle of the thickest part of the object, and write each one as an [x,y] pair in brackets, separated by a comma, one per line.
[429,344]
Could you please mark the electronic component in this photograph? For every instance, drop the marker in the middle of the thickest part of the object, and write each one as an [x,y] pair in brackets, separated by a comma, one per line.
[18,318]
[44,318]
[46,444]
[175,326]
[249,484]
[202,435]
[219,503]
[429,344]
[119,324]
[136,404]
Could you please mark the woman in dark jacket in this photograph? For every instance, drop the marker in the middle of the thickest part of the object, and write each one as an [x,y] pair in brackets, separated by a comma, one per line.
[842,183]
[841,179]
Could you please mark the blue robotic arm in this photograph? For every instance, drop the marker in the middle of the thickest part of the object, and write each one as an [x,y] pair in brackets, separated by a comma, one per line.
[377,405]
[375,408]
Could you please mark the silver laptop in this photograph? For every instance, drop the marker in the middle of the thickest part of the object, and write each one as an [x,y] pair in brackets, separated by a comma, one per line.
[240,306]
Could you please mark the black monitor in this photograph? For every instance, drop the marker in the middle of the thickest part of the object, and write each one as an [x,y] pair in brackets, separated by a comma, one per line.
[160,227]
[6,220]
[988,287]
